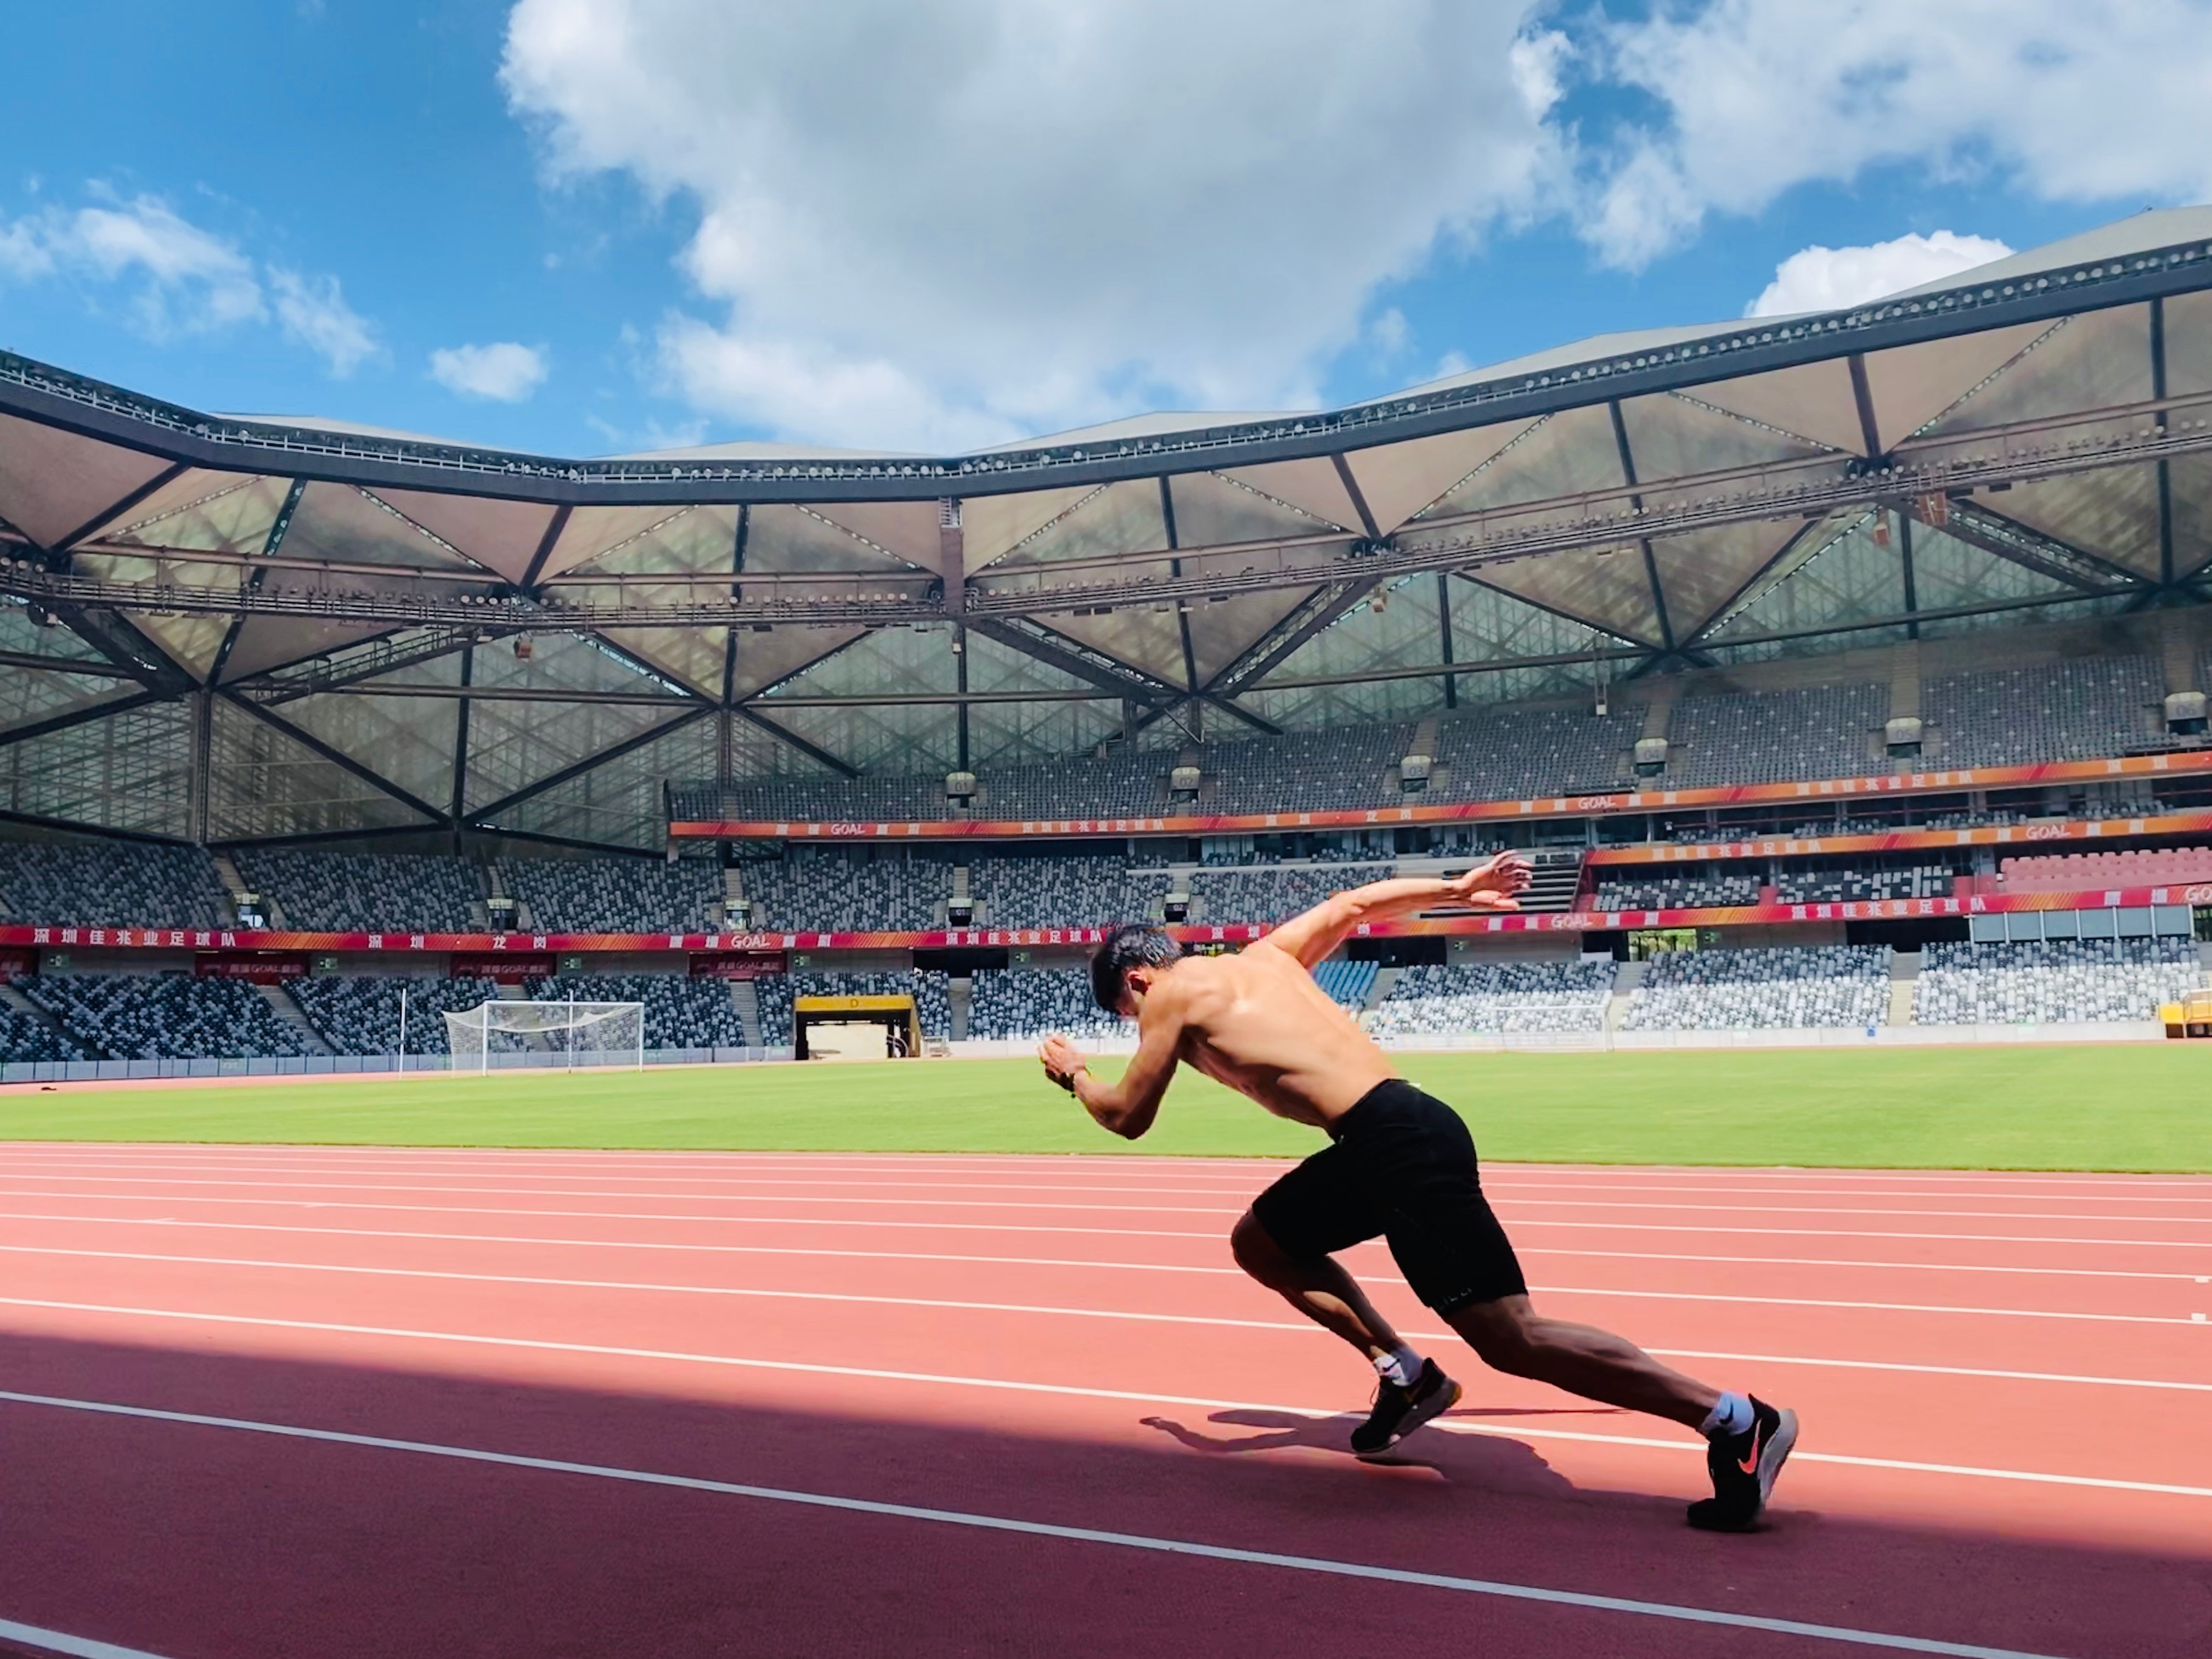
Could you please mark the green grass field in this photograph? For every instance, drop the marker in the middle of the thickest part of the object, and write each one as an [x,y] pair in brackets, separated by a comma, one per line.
[2136,1107]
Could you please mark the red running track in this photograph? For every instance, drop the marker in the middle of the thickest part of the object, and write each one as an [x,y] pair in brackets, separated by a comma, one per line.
[360,1401]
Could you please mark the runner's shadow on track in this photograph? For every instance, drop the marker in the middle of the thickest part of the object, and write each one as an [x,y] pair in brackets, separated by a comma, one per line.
[1492,1462]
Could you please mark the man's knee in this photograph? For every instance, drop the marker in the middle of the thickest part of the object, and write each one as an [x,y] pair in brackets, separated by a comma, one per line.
[1257,1251]
[1506,1333]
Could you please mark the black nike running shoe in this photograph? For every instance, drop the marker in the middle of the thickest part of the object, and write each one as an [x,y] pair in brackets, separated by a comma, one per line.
[1743,1468]
[1398,1411]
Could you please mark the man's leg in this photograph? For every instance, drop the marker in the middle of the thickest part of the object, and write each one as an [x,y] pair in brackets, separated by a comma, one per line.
[1411,1390]
[1319,1289]
[1512,1337]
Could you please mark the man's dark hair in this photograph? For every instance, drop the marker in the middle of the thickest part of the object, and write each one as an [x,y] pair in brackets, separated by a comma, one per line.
[1138,945]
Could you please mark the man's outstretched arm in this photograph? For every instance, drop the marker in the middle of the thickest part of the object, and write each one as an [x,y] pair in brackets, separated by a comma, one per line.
[1126,1108]
[1315,935]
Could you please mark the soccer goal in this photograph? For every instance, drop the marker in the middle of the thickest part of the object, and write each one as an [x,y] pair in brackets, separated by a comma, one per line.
[495,1035]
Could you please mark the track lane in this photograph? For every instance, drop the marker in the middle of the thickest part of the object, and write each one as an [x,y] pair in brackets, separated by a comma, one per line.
[1609,1460]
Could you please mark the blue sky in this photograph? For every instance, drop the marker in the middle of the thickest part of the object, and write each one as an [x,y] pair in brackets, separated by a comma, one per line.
[639,223]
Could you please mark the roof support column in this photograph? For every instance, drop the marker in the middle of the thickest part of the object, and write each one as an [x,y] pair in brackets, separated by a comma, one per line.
[461,742]
[1905,562]
[2165,474]
[203,778]
[1183,615]
[953,564]
[1650,560]
[1443,637]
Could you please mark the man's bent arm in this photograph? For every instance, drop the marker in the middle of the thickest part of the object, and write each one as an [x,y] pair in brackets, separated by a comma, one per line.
[1313,936]
[1127,1108]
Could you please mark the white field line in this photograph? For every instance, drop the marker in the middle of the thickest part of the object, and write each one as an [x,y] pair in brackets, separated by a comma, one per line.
[1052,1261]
[1073,1391]
[1140,1316]
[1577,1598]
[846,1181]
[168,1200]
[1063,1204]
[59,1640]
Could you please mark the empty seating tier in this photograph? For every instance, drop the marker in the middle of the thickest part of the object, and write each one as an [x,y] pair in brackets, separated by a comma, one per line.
[2052,982]
[1830,986]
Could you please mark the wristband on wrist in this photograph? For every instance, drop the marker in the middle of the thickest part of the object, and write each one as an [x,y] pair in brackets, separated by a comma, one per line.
[1067,1079]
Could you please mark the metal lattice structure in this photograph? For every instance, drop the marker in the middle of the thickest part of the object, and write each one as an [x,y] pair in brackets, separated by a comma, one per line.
[233,630]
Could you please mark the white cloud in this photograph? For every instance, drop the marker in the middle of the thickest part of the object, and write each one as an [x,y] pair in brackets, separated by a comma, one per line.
[2067,102]
[503,370]
[1836,278]
[188,280]
[180,279]
[950,225]
[313,312]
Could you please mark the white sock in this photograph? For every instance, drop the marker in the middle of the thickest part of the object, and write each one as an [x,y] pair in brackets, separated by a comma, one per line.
[1728,1418]
[1401,1365]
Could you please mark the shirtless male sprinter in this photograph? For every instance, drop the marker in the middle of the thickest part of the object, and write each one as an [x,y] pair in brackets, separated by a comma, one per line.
[1400,1163]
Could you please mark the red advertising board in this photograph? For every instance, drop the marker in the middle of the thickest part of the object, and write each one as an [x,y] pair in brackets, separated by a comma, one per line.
[506,968]
[263,968]
[744,965]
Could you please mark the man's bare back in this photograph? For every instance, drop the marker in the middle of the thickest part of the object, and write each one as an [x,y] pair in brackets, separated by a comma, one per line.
[1258,1023]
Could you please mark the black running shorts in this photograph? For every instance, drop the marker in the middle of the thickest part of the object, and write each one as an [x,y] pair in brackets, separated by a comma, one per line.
[1400,1165]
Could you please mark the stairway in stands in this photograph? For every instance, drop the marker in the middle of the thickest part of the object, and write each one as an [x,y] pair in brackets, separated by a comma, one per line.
[281,1004]
[746,998]
[1553,879]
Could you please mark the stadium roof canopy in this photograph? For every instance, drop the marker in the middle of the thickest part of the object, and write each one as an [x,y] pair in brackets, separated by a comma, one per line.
[233,628]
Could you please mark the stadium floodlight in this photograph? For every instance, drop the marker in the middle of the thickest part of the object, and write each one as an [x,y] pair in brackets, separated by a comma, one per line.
[565,1034]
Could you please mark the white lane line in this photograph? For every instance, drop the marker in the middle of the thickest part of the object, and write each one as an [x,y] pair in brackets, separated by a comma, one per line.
[1115,1265]
[1073,1391]
[167,1200]
[847,1179]
[1026,1308]
[1580,1598]
[57,1641]
[705,1158]
[1063,1204]
[1501,1177]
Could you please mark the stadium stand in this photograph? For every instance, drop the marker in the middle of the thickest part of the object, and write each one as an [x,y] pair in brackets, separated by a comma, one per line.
[136,884]
[1270,894]
[347,893]
[25,1038]
[1833,985]
[2081,709]
[1513,755]
[1677,893]
[1125,783]
[1835,886]
[679,1012]
[1773,737]
[360,1014]
[1033,1003]
[828,889]
[2052,982]
[1339,767]
[614,896]
[1346,983]
[2074,873]
[1440,1000]
[1062,891]
[870,797]
[165,1016]
[933,1002]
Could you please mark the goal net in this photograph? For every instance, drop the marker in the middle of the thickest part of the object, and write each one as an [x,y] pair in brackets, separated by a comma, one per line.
[494,1036]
